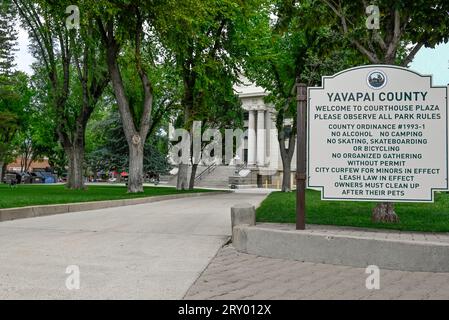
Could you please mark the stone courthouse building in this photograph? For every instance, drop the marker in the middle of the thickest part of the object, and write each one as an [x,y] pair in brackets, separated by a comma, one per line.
[262,154]
[262,166]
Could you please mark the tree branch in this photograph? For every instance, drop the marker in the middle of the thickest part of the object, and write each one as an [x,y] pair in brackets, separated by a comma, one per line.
[146,83]
[392,47]
[339,12]
[412,54]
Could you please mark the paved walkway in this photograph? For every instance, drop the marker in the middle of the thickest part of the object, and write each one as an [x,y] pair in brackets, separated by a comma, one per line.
[233,276]
[151,251]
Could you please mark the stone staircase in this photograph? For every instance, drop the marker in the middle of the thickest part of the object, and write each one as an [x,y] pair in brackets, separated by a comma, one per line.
[217,177]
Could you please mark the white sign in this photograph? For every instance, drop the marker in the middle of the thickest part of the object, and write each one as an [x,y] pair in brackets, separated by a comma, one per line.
[378,133]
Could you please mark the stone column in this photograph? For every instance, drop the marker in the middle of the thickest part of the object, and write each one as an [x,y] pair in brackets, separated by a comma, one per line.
[268,124]
[252,138]
[261,137]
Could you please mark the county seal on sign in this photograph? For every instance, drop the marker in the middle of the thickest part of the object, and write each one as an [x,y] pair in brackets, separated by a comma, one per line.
[376,80]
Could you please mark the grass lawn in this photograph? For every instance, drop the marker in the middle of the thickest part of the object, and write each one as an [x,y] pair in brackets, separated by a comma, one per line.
[30,195]
[280,207]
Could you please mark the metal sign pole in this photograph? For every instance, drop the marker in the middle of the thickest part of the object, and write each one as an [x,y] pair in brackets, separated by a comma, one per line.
[301,98]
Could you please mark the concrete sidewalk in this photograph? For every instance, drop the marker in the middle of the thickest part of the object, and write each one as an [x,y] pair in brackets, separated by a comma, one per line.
[150,251]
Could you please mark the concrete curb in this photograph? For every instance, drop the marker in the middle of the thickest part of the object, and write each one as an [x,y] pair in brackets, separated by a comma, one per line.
[243,214]
[342,250]
[40,211]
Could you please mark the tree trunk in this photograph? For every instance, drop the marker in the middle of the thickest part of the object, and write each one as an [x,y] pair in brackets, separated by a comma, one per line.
[384,212]
[135,178]
[286,157]
[182,176]
[193,176]
[135,135]
[1,171]
[287,176]
[75,154]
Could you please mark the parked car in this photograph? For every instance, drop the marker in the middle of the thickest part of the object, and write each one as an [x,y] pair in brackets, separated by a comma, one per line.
[36,177]
[10,176]
[25,177]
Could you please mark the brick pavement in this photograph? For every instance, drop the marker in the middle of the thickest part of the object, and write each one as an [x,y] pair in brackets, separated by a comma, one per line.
[236,276]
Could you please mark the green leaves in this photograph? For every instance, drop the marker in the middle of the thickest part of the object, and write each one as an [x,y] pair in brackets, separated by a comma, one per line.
[9,124]
[405,27]
[108,150]
[15,98]
[8,37]
[203,38]
[290,39]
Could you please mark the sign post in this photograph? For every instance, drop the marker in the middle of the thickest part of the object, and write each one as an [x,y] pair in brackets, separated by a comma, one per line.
[301,98]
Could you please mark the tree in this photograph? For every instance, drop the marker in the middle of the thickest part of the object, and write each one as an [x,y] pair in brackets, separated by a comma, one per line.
[36,137]
[9,118]
[8,37]
[122,29]
[9,125]
[15,98]
[299,43]
[107,146]
[220,109]
[109,150]
[404,28]
[74,70]
[202,36]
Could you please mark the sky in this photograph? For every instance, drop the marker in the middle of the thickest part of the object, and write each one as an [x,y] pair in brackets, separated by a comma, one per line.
[433,62]
[24,59]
